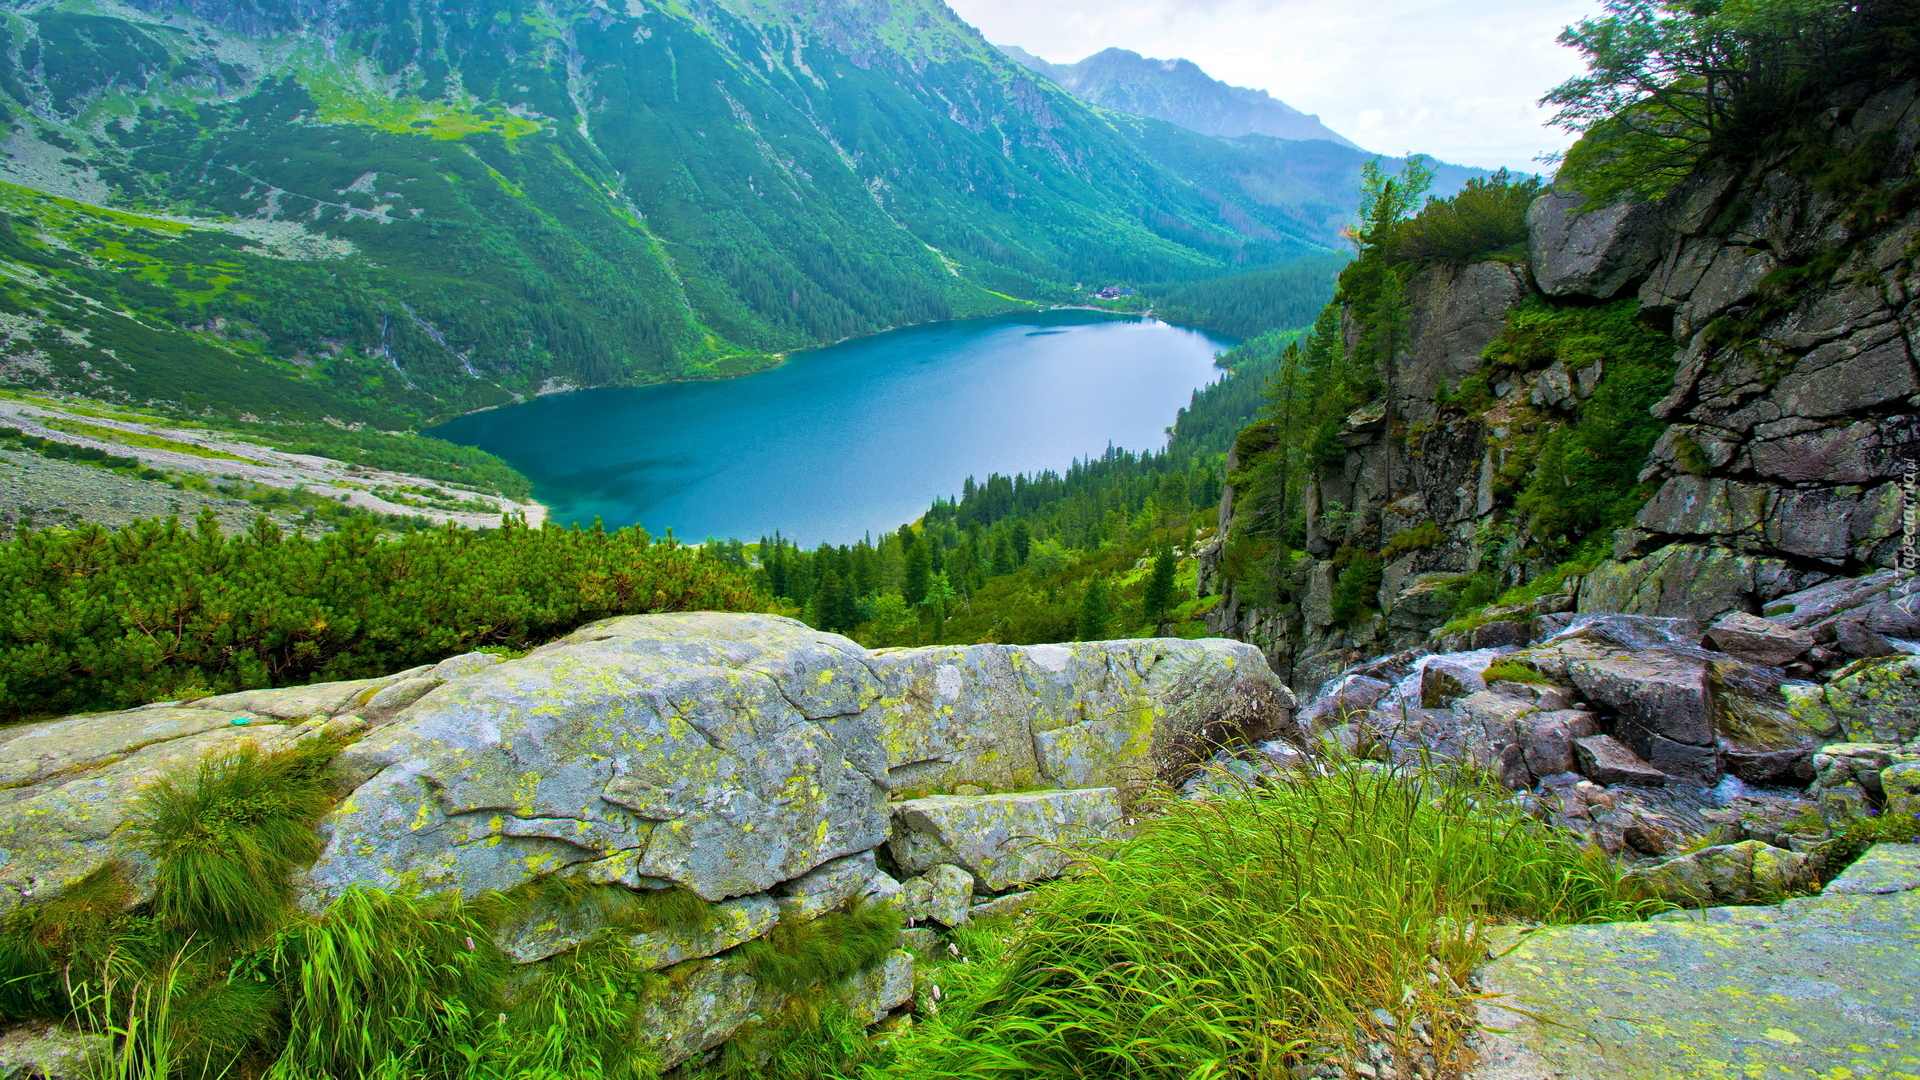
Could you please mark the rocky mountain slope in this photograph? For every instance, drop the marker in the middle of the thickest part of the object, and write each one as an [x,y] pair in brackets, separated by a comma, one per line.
[1179,92]
[1766,321]
[380,213]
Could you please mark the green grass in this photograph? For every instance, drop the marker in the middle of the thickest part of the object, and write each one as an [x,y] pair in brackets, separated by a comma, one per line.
[224,840]
[1240,936]
[824,950]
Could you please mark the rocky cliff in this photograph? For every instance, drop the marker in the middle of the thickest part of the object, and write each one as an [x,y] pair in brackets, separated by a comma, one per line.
[1779,302]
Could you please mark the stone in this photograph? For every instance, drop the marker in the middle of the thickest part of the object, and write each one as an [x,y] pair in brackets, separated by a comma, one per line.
[1002,840]
[396,696]
[1083,714]
[1341,699]
[1655,692]
[1727,874]
[1900,788]
[877,991]
[1502,633]
[38,1050]
[1831,598]
[1868,701]
[454,667]
[300,702]
[722,752]
[1758,640]
[1705,506]
[1011,904]
[943,894]
[706,1008]
[731,923]
[1816,986]
[1629,631]
[1684,761]
[1597,253]
[1770,768]
[1546,742]
[1607,761]
[1691,581]
[1884,869]
[832,884]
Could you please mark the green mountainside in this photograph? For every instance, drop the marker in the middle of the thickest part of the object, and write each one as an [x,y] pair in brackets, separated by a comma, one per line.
[389,212]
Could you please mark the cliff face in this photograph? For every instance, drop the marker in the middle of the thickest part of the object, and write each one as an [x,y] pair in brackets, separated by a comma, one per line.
[1788,292]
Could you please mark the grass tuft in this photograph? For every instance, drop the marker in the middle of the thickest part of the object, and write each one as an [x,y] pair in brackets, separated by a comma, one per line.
[225,839]
[825,950]
[1513,671]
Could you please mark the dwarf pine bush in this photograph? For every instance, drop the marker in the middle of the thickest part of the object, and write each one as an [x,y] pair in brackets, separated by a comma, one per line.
[94,620]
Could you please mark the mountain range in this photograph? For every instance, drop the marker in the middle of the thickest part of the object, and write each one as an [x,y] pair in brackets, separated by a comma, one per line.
[388,211]
[1179,92]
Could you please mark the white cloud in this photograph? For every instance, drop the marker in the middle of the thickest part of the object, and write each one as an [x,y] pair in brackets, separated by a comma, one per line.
[1457,79]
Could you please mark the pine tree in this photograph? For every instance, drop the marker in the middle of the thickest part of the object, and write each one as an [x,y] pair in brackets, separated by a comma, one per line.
[919,570]
[1022,542]
[1159,594]
[1095,610]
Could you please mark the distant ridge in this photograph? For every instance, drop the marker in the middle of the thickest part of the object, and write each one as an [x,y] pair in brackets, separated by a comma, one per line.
[1178,92]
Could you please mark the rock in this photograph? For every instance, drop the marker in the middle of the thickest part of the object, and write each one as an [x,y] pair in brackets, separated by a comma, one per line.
[38,1050]
[396,696]
[1607,761]
[1599,253]
[1883,870]
[300,702]
[1349,695]
[1726,992]
[1758,640]
[706,1008]
[723,753]
[1629,631]
[1002,840]
[1085,714]
[1503,633]
[1010,904]
[1900,787]
[1656,693]
[833,883]
[879,990]
[1683,761]
[1867,701]
[1547,741]
[1729,874]
[1840,764]
[1775,768]
[730,923]
[454,667]
[943,894]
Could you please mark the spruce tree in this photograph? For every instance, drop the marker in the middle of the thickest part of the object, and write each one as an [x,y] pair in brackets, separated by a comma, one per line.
[1159,594]
[1095,610]
[1022,543]
[919,571]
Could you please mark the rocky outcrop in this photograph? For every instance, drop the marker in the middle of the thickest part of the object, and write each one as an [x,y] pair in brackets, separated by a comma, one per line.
[755,763]
[1816,986]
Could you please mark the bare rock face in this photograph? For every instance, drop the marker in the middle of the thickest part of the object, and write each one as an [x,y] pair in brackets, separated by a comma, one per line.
[1002,840]
[1597,253]
[1609,761]
[1758,640]
[1731,874]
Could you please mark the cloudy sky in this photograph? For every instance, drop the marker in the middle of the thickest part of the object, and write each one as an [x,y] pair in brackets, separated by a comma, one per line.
[1453,78]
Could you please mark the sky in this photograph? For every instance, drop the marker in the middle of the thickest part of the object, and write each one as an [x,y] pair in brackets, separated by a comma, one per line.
[1456,79]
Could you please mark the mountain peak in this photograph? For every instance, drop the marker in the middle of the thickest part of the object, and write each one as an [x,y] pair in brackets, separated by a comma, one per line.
[1179,92]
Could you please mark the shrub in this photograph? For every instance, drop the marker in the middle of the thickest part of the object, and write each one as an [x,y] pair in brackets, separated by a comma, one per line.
[1426,535]
[1357,590]
[95,620]
[1226,938]
[1485,218]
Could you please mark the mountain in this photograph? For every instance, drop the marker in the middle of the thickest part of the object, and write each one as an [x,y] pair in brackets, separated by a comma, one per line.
[1179,92]
[386,211]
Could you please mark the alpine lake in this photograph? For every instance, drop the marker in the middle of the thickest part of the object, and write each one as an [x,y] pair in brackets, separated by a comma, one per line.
[854,438]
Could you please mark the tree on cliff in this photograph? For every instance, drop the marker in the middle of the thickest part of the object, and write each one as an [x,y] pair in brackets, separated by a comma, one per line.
[1671,83]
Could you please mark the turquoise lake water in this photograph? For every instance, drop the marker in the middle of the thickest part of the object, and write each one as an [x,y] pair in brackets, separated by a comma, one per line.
[857,437]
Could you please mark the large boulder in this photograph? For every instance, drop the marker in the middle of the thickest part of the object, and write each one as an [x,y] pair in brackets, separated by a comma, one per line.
[1596,253]
[721,753]
[1739,873]
[1086,714]
[1002,840]
[1867,701]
